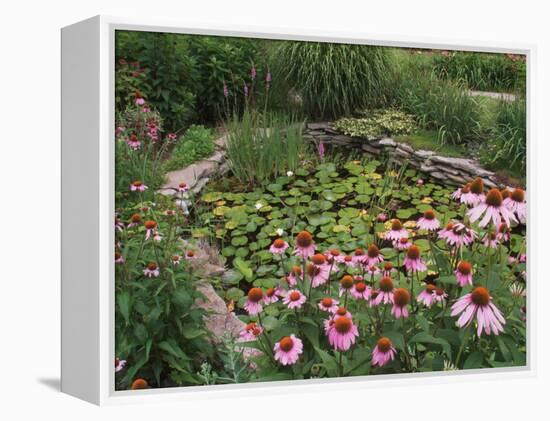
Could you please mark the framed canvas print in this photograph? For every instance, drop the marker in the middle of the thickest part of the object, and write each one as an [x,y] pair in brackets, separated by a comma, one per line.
[246,210]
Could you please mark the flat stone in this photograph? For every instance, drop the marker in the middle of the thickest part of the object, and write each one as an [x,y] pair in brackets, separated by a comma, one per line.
[424,154]
[496,95]
[190,175]
[400,152]
[321,125]
[438,175]
[405,147]
[315,132]
[427,169]
[464,164]
[387,141]
[458,179]
[218,157]
[448,169]
[370,149]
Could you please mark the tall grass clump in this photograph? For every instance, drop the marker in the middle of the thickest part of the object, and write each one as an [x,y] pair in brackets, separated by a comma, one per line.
[508,148]
[442,105]
[261,146]
[332,80]
[482,71]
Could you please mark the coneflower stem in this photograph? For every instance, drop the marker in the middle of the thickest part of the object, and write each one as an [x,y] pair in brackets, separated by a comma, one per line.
[463,344]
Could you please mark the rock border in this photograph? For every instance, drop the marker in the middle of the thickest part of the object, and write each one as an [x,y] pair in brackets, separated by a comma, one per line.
[447,170]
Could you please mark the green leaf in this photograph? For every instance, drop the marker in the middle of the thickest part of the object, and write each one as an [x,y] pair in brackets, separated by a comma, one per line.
[474,360]
[124,305]
[426,338]
[244,268]
[329,362]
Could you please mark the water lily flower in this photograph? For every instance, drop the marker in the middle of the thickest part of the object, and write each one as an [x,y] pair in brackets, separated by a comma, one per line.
[258,205]
[383,352]
[492,209]
[253,304]
[289,173]
[288,350]
[401,298]
[279,232]
[152,270]
[479,304]
[294,299]
[463,273]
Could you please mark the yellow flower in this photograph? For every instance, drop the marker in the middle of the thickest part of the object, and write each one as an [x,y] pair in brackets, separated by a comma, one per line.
[220,203]
[409,224]
[393,173]
[427,200]
[375,176]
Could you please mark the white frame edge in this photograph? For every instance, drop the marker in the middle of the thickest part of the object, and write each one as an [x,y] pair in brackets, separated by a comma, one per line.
[87,213]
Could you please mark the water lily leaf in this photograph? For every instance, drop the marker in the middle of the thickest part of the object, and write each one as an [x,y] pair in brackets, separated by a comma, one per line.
[211,197]
[341,228]
[243,267]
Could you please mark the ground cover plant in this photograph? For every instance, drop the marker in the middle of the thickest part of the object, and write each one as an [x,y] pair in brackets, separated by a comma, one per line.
[323,263]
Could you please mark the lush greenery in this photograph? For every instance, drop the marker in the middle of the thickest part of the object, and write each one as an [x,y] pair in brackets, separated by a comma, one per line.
[378,123]
[334,79]
[196,144]
[481,71]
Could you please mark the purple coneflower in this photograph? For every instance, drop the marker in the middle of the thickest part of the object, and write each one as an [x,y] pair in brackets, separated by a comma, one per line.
[478,304]
[463,273]
[397,231]
[253,304]
[294,299]
[492,209]
[305,248]
[288,350]
[516,204]
[342,333]
[152,270]
[413,261]
[383,352]
[401,298]
[428,221]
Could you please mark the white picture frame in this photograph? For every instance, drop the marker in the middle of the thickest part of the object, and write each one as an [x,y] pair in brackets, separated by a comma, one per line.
[88,202]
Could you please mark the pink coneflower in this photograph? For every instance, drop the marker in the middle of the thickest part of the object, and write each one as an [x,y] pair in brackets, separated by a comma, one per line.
[225,90]
[503,233]
[288,350]
[333,257]
[133,142]
[383,352]
[440,295]
[385,291]
[342,333]
[349,261]
[138,186]
[271,296]
[346,284]
[150,229]
[171,137]
[413,262]
[318,274]
[294,275]
[402,244]
[253,73]
[516,204]
[152,270]
[401,299]
[305,247]
[522,258]
[491,240]
[374,293]
[119,258]
[463,273]
[253,304]
[478,304]
[183,187]
[328,304]
[372,271]
[492,209]
[465,195]
[476,193]
[397,231]
[359,256]
[426,297]
[119,225]
[190,255]
[360,291]
[176,259]
[428,221]
[457,234]
[373,256]
[294,299]
[146,109]
[138,98]
[279,246]
[135,220]
[119,364]
[250,332]
[388,269]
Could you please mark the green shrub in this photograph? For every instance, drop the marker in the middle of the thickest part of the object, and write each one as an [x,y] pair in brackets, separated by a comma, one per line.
[442,105]
[378,123]
[262,146]
[482,71]
[333,80]
[169,74]
[508,148]
[196,144]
